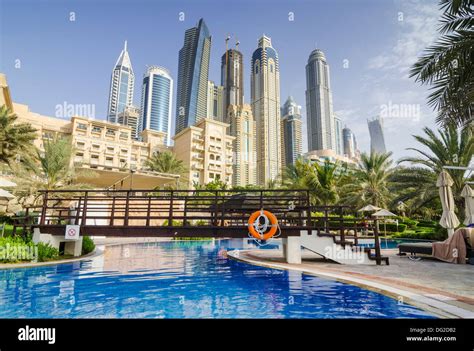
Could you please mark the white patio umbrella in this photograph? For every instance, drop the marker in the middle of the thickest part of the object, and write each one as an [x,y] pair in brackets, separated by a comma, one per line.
[383,213]
[468,194]
[5,195]
[369,208]
[448,220]
[5,183]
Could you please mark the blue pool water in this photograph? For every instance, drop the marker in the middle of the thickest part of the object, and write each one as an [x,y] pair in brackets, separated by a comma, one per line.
[388,243]
[186,279]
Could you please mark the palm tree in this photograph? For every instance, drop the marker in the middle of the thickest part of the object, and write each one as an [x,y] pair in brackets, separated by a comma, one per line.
[50,169]
[448,65]
[448,147]
[322,180]
[16,139]
[165,162]
[369,182]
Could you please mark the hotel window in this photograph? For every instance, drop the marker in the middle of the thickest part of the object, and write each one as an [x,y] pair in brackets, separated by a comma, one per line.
[82,126]
[123,135]
[211,156]
[96,129]
[110,132]
[196,175]
[95,147]
[211,175]
[124,151]
[110,149]
[80,145]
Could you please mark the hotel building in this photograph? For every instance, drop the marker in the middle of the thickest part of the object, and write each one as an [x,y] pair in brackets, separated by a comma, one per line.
[206,151]
[243,129]
[115,159]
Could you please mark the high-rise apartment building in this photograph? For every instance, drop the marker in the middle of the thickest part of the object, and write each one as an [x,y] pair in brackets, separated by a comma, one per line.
[243,128]
[348,142]
[157,92]
[232,78]
[265,102]
[206,151]
[292,147]
[319,109]
[130,117]
[121,86]
[377,140]
[215,101]
[193,74]
[339,147]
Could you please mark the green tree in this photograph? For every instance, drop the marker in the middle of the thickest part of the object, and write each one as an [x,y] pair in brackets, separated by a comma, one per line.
[448,64]
[369,181]
[416,183]
[165,162]
[322,180]
[16,139]
[51,169]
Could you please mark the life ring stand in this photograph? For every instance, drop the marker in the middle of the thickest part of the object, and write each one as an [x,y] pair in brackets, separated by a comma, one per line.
[259,230]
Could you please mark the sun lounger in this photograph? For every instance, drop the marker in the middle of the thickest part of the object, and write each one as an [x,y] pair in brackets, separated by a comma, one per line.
[426,248]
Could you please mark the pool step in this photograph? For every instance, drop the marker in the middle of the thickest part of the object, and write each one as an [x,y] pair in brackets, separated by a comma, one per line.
[329,247]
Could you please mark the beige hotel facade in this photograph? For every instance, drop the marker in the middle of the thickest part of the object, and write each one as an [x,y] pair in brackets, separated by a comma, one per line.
[107,149]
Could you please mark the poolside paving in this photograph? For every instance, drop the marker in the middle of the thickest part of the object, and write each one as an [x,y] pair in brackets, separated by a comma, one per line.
[448,283]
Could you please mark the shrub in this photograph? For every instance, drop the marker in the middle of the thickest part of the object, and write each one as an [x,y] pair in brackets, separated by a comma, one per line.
[87,245]
[174,223]
[392,227]
[46,252]
[16,249]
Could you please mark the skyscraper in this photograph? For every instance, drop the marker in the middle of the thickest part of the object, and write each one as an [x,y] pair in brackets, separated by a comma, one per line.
[242,127]
[339,148]
[348,142]
[157,90]
[291,132]
[215,102]
[130,117]
[121,86]
[232,78]
[265,102]
[193,73]
[321,125]
[377,140]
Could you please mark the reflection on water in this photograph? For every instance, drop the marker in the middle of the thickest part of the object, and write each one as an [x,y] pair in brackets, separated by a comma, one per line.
[183,279]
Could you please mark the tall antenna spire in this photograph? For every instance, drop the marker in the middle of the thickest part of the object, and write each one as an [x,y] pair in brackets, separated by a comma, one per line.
[125,46]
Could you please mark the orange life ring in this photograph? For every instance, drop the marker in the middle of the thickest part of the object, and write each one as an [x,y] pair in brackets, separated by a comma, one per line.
[273,228]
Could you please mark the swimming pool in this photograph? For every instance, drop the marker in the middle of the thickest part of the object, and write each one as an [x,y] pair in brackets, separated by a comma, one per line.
[388,243]
[183,279]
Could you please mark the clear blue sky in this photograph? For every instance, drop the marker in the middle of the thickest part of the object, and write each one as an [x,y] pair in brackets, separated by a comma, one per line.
[72,61]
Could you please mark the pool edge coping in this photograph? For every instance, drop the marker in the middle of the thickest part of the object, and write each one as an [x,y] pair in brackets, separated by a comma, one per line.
[437,308]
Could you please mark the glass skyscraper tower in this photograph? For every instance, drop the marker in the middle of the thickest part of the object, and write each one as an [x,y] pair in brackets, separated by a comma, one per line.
[121,86]
[265,102]
[320,116]
[193,73]
[157,90]
[377,140]
[232,78]
[291,132]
